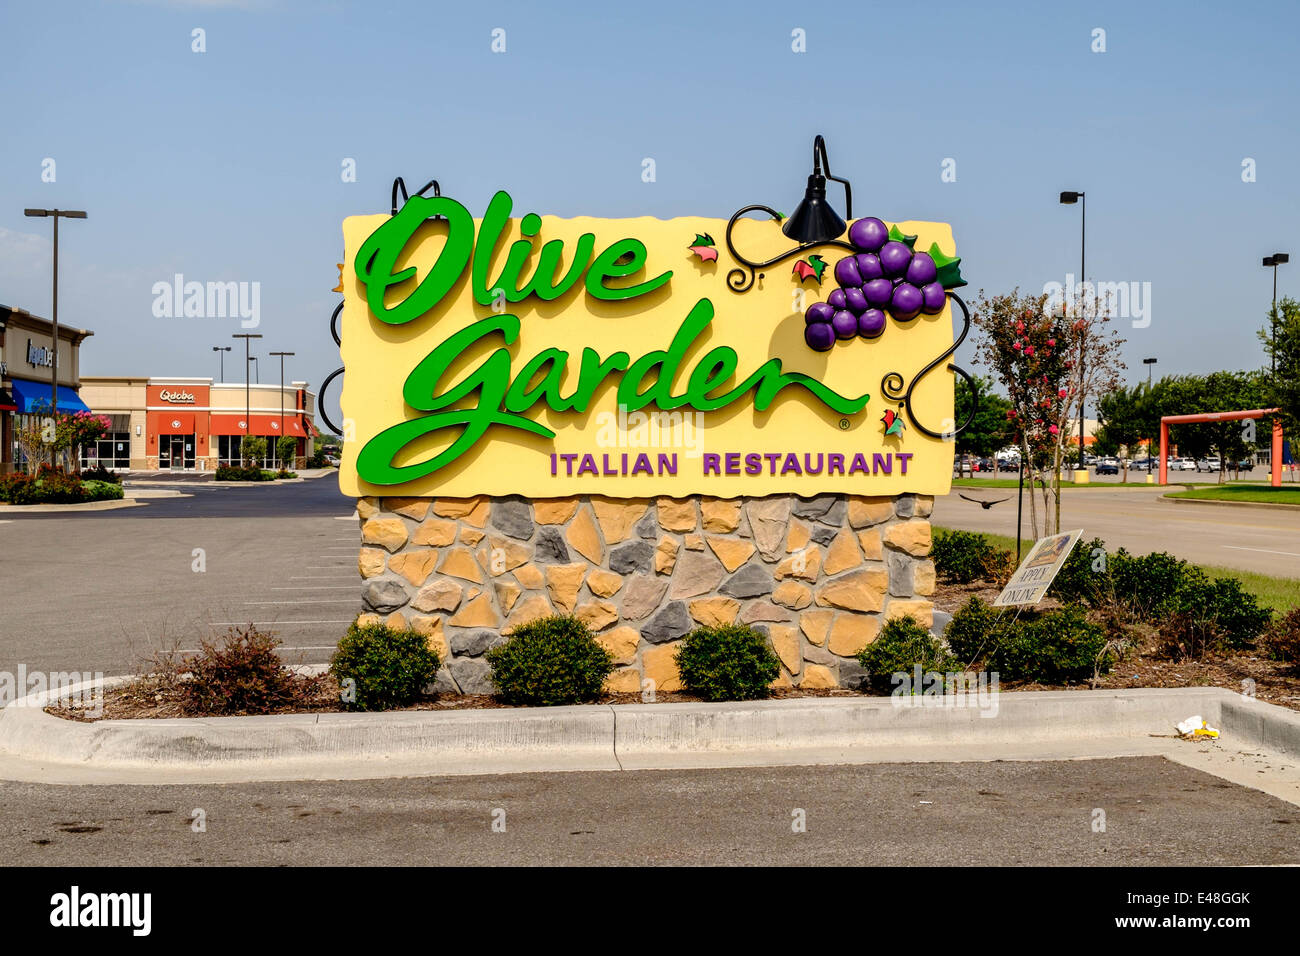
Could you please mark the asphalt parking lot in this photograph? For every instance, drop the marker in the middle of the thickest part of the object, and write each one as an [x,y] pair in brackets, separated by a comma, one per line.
[1045,813]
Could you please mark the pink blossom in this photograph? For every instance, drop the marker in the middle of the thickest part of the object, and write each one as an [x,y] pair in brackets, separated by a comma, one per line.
[1053,429]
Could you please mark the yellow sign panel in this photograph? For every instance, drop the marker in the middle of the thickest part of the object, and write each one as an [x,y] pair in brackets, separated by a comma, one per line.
[544,357]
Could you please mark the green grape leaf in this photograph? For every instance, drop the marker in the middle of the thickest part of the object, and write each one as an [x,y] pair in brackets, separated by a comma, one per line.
[702,240]
[949,268]
[897,236]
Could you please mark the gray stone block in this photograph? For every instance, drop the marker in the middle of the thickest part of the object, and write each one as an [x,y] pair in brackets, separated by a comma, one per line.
[941,621]
[670,623]
[902,574]
[383,595]
[648,526]
[550,547]
[635,557]
[812,507]
[472,676]
[473,643]
[750,581]
[852,674]
[514,517]
[823,534]
[905,506]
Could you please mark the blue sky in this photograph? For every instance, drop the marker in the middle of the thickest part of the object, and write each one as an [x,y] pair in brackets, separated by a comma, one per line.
[226,165]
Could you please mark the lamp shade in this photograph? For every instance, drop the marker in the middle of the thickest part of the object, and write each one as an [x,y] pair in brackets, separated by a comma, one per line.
[813,220]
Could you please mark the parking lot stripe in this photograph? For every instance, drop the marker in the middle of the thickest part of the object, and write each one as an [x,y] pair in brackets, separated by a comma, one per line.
[1289,554]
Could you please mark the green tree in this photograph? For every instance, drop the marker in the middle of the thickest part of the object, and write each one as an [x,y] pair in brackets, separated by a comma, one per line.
[991,429]
[1282,346]
[286,446]
[252,448]
[1125,417]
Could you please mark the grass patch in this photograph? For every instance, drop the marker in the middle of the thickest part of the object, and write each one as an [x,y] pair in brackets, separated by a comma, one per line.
[1281,594]
[1266,494]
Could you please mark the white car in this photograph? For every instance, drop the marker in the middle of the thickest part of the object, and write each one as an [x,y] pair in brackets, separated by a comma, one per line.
[1182,464]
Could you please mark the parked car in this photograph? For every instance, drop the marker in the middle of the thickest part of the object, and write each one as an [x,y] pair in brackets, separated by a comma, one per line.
[1245,465]
[1209,464]
[1182,464]
[1009,464]
[1108,466]
[1145,464]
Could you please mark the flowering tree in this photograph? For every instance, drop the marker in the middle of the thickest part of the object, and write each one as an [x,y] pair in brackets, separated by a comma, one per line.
[75,431]
[1034,351]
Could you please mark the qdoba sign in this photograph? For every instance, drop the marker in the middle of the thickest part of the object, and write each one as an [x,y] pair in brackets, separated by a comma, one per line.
[543,356]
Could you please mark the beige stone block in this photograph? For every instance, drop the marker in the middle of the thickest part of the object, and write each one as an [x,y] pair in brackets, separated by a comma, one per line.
[815,625]
[457,507]
[763,611]
[782,681]
[693,542]
[859,591]
[732,552]
[797,537]
[618,516]
[767,522]
[698,572]
[370,561]
[864,511]
[477,613]
[435,533]
[869,542]
[621,642]
[367,619]
[604,583]
[642,596]
[502,554]
[923,578]
[527,611]
[438,595]
[714,611]
[563,582]
[910,536]
[677,515]
[922,611]
[529,576]
[625,680]
[597,615]
[817,677]
[785,641]
[666,556]
[470,536]
[584,538]
[851,633]
[367,508]
[843,554]
[792,594]
[720,515]
[388,533]
[507,594]
[414,508]
[415,566]
[804,564]
[431,628]
[924,505]
[659,665]
[459,563]
[396,620]
[554,510]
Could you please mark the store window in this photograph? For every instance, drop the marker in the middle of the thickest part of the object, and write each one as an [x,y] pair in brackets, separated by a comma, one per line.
[113,451]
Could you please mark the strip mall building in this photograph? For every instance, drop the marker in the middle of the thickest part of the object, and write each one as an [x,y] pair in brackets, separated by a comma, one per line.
[192,424]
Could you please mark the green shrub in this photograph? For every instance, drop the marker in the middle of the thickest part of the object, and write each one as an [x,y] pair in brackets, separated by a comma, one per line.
[903,643]
[53,486]
[242,674]
[1281,640]
[390,666]
[102,490]
[731,662]
[1204,615]
[552,660]
[285,473]
[1079,579]
[100,473]
[961,557]
[1057,647]
[245,473]
[971,634]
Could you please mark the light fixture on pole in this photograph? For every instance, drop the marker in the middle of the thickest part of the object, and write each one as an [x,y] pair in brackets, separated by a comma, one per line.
[248,403]
[223,349]
[282,432]
[56,215]
[1069,198]
[1275,260]
[813,220]
[1148,362]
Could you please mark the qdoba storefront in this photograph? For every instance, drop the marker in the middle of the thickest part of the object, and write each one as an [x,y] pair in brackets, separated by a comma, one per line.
[193,424]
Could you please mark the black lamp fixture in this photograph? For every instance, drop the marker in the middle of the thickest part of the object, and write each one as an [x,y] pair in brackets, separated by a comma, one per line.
[814,219]
[1275,260]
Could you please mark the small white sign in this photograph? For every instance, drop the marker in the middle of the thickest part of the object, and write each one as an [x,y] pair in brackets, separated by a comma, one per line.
[1038,570]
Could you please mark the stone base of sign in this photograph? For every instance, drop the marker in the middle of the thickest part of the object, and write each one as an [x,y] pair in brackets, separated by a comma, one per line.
[818,575]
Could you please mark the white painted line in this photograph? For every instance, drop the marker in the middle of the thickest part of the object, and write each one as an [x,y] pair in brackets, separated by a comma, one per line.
[346,518]
[318,587]
[1289,554]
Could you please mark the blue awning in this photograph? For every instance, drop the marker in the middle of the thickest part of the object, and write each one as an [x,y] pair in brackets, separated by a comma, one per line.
[31,397]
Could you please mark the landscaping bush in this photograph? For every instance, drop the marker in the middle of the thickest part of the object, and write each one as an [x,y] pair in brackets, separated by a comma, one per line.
[1204,616]
[971,633]
[1057,647]
[100,473]
[242,674]
[731,662]
[390,666]
[102,490]
[902,644]
[285,473]
[317,460]
[246,473]
[552,660]
[961,557]
[53,486]
[1079,580]
[1281,640]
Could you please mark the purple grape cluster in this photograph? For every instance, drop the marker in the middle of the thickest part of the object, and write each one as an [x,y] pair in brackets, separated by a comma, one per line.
[886,276]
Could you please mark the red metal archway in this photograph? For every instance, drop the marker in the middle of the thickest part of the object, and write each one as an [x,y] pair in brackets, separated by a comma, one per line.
[1167,420]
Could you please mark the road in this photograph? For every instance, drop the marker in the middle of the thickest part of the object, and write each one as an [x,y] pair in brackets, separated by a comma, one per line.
[1002,814]
[1264,540]
[99,591]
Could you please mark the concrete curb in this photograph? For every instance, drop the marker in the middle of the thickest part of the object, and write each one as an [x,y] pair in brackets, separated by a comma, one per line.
[623,737]
[1265,505]
[65,509]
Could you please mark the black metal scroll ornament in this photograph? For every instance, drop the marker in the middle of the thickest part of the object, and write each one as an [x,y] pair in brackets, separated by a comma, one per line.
[398,186]
[892,384]
[741,280]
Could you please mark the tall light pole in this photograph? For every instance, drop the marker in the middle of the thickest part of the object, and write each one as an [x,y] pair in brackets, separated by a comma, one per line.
[56,215]
[257,370]
[223,349]
[248,402]
[282,355]
[1069,198]
[1275,260]
[1148,362]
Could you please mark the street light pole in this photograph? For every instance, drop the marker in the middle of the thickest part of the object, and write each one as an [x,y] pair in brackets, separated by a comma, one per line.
[248,416]
[1275,260]
[1148,362]
[55,214]
[282,355]
[222,349]
[1069,198]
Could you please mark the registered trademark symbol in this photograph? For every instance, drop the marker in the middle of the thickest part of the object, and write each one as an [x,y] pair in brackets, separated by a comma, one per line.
[844,424]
